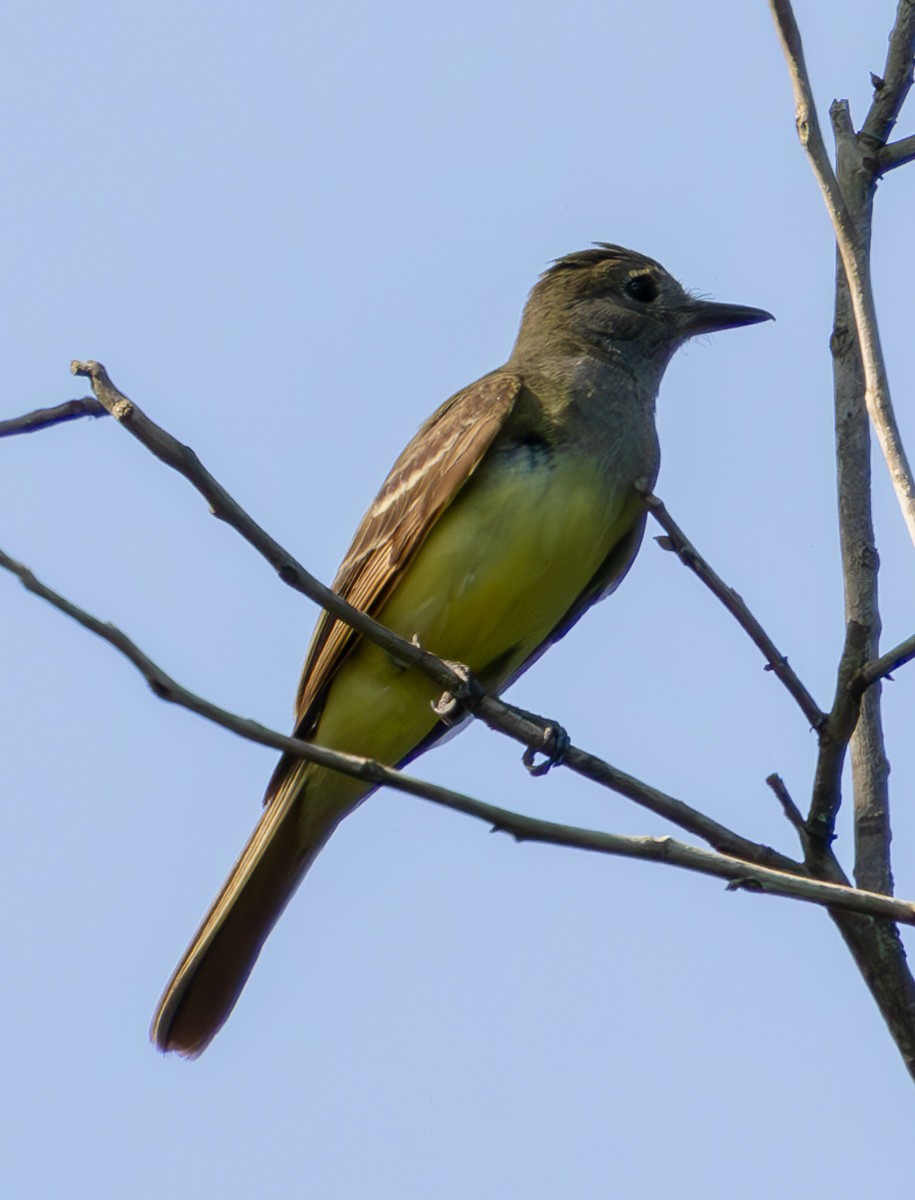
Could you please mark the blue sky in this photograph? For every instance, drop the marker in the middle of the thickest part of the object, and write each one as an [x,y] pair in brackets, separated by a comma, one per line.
[290,232]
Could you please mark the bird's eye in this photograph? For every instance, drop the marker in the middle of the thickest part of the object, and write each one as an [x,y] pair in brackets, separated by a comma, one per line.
[642,288]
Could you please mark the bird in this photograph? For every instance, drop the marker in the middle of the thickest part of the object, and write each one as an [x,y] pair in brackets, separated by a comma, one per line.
[516,507]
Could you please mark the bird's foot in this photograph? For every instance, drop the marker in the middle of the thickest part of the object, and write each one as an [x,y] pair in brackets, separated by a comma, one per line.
[449,707]
[556,743]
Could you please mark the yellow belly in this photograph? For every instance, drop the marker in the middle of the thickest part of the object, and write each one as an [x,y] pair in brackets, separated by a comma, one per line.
[496,575]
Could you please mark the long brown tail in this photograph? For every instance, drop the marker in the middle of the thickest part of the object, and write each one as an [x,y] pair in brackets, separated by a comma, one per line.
[209,979]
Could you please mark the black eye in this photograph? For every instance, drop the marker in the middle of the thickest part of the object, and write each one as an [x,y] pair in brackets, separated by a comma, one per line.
[642,288]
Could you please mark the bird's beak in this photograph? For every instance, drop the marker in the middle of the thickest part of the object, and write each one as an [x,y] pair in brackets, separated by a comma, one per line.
[707,316]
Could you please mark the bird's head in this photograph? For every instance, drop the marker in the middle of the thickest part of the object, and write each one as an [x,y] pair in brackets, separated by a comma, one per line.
[611,302]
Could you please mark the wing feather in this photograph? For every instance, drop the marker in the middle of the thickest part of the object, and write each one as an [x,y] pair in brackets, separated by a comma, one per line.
[422,483]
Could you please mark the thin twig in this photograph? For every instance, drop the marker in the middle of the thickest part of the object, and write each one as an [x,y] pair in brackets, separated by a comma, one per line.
[529,730]
[854,259]
[789,808]
[776,662]
[896,154]
[182,459]
[741,875]
[165,687]
[723,839]
[41,418]
[885,665]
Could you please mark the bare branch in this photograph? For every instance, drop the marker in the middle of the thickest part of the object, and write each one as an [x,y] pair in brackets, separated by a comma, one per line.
[880,957]
[741,875]
[860,561]
[885,665]
[168,689]
[182,459]
[891,90]
[857,175]
[806,119]
[776,662]
[896,154]
[793,814]
[834,738]
[725,840]
[41,418]
[875,945]
[855,262]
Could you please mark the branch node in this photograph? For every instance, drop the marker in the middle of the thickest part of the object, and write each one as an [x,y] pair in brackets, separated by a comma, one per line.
[515,834]
[780,663]
[745,883]
[287,572]
[820,829]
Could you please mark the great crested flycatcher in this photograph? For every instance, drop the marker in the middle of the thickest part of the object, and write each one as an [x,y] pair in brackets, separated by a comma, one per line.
[512,511]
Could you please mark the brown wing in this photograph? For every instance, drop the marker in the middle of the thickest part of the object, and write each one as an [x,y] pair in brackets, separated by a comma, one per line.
[437,462]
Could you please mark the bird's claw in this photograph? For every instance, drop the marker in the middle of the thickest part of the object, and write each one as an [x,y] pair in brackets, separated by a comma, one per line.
[556,743]
[449,707]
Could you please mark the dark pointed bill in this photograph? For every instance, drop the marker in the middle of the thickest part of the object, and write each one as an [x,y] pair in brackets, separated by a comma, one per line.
[707,316]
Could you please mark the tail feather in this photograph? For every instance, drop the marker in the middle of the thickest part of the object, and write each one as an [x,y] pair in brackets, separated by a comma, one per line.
[207,982]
